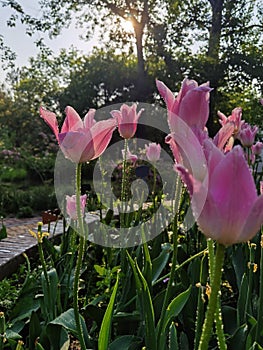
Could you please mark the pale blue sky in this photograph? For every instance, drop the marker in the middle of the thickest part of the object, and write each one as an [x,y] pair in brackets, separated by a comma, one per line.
[17,39]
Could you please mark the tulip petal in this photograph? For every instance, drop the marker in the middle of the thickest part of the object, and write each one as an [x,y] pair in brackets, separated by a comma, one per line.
[186,177]
[194,107]
[213,156]
[190,150]
[89,119]
[254,221]
[224,135]
[72,121]
[51,119]
[207,217]
[233,190]
[73,144]
[166,94]
[101,134]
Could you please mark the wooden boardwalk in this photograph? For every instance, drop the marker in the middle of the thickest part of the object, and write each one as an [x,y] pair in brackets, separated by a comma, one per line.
[20,241]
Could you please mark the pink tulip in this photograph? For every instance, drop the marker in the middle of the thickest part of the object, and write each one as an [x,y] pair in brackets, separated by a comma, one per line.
[261,187]
[257,148]
[234,119]
[191,104]
[127,118]
[80,141]
[153,151]
[247,134]
[232,211]
[187,149]
[129,156]
[71,206]
[231,126]
[261,101]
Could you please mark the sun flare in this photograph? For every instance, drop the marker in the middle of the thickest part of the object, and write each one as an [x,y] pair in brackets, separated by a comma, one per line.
[127,25]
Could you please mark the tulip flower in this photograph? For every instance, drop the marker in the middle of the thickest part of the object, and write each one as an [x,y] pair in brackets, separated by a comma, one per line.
[80,141]
[234,118]
[232,211]
[129,156]
[257,148]
[229,131]
[247,134]
[153,151]
[191,104]
[71,206]
[127,118]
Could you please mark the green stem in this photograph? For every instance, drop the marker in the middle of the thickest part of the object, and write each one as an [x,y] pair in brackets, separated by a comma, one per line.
[174,257]
[260,301]
[124,166]
[211,256]
[79,259]
[221,340]
[212,304]
[203,252]
[44,268]
[201,303]
[2,330]
[154,186]
[218,314]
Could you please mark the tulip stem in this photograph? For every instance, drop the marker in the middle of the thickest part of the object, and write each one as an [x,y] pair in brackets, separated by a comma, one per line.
[79,259]
[259,328]
[218,314]
[171,281]
[213,299]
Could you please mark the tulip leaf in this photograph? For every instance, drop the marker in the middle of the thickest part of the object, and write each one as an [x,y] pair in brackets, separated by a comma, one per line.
[67,320]
[146,305]
[241,303]
[172,310]
[105,330]
[173,343]
[124,342]
[159,263]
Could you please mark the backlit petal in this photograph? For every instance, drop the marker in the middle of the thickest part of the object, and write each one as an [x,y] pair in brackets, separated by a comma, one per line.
[51,119]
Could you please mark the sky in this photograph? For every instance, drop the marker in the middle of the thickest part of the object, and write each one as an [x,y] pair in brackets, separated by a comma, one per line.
[23,45]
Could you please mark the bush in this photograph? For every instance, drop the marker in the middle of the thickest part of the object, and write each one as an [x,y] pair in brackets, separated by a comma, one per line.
[9,174]
[24,202]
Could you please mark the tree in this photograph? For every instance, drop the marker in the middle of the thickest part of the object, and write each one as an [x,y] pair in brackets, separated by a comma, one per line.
[215,40]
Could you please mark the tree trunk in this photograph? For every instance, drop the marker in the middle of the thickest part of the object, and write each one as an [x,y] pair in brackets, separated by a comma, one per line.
[214,73]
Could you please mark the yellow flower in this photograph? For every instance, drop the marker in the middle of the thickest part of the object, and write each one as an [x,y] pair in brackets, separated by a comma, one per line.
[39,235]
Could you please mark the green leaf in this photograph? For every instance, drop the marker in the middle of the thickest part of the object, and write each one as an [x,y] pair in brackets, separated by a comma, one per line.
[173,343]
[147,306]
[12,335]
[159,263]
[24,307]
[238,339]
[229,319]
[38,346]
[256,346]
[172,310]
[34,330]
[241,303]
[238,263]
[58,337]
[67,320]
[127,316]
[105,330]
[124,342]
[95,313]
[100,270]
[50,293]
[3,232]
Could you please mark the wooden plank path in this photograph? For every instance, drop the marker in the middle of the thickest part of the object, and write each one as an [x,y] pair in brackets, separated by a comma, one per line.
[20,241]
